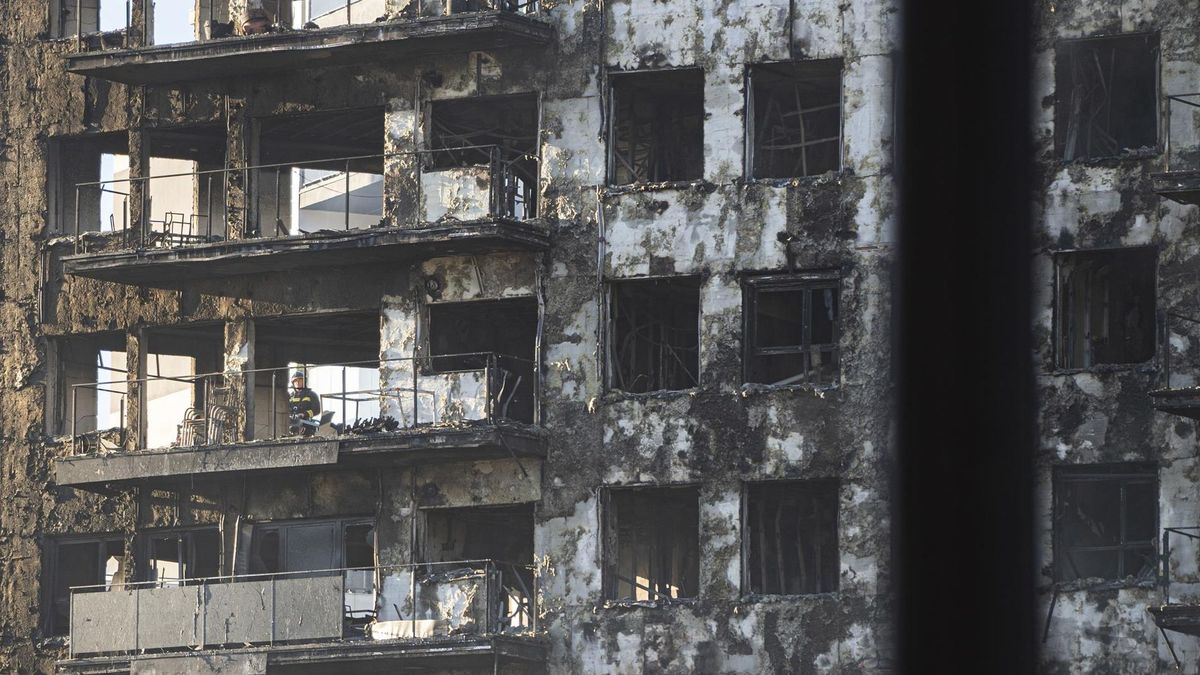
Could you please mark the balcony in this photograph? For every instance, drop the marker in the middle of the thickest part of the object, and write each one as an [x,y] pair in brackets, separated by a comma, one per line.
[1179,583]
[355,36]
[168,230]
[455,407]
[1180,394]
[1181,180]
[469,614]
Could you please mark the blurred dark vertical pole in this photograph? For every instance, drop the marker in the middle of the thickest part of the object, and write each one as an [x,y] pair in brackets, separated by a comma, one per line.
[965,565]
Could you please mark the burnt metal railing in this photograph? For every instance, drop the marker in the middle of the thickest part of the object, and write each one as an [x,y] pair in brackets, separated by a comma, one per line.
[339,15]
[466,599]
[1173,319]
[254,197]
[407,393]
[1193,101]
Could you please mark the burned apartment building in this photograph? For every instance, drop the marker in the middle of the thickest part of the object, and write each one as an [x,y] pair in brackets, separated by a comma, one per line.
[1117,184]
[589,302]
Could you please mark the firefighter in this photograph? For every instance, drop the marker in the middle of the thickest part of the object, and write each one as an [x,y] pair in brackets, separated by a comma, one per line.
[305,405]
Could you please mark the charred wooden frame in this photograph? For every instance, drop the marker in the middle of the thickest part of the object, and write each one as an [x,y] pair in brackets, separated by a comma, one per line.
[1105,522]
[792,327]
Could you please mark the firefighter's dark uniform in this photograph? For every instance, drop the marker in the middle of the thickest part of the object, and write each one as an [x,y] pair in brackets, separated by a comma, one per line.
[305,405]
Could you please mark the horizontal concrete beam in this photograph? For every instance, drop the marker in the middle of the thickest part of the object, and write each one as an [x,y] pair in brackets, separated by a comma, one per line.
[240,56]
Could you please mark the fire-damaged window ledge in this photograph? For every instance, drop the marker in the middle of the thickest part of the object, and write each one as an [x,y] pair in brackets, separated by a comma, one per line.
[429,444]
[633,605]
[1148,367]
[174,267]
[1096,585]
[1129,156]
[385,41]
[816,180]
[466,650]
[788,598]
[748,389]
[703,186]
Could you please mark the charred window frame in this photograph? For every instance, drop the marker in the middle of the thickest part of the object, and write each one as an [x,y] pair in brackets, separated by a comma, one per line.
[794,118]
[791,541]
[83,360]
[1105,306]
[792,326]
[1105,522]
[651,543]
[173,557]
[291,546]
[1106,96]
[654,334]
[656,126]
[77,561]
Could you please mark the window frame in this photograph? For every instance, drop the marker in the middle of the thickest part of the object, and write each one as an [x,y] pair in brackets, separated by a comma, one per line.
[1125,474]
[805,282]
[50,551]
[751,117]
[1059,150]
[145,552]
[610,543]
[610,331]
[258,529]
[1058,340]
[611,106]
[800,485]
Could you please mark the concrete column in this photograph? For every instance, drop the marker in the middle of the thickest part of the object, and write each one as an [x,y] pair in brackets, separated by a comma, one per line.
[238,125]
[401,168]
[139,190]
[135,399]
[239,357]
[141,14]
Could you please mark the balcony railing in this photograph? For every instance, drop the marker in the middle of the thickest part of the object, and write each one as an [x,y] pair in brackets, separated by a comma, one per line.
[295,199]
[357,399]
[1180,181]
[448,601]
[338,13]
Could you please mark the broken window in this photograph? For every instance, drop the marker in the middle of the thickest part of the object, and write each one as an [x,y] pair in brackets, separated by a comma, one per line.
[301,546]
[175,393]
[1106,95]
[1105,306]
[322,171]
[75,402]
[482,158]
[176,556]
[792,542]
[656,126]
[98,160]
[503,534]
[654,334]
[347,544]
[472,335]
[98,562]
[652,544]
[82,17]
[1105,522]
[791,328]
[339,357]
[796,118]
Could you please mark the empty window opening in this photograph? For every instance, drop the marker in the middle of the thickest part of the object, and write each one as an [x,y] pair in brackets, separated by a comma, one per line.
[88,159]
[652,545]
[338,356]
[176,21]
[503,534]
[792,542]
[330,175]
[1106,96]
[88,387]
[1106,306]
[792,328]
[657,126]
[471,336]
[796,117]
[654,334]
[98,562]
[483,158]
[325,13]
[1105,522]
[83,17]
[183,406]
[172,558]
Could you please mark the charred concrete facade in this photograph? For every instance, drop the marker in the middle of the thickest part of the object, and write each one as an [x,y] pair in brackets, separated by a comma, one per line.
[548,426]
[1119,420]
